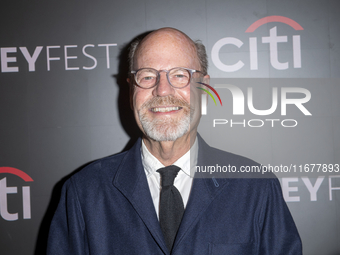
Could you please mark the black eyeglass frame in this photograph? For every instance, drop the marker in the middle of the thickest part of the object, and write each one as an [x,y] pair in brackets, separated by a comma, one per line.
[191,72]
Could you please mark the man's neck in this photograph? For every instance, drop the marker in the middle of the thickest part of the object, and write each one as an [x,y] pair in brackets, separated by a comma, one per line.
[168,152]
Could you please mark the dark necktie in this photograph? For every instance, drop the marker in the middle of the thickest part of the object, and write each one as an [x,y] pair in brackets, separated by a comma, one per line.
[171,205]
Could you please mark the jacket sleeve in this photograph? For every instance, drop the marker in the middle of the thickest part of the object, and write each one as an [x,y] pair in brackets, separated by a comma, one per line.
[279,235]
[67,230]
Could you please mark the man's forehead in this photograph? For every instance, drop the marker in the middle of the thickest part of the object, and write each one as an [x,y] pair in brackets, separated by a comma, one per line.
[166,46]
[166,37]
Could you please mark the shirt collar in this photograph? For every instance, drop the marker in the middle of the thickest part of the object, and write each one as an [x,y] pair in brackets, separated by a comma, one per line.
[151,164]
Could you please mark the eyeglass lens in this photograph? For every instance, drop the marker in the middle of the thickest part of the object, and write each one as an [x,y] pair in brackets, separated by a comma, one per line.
[178,77]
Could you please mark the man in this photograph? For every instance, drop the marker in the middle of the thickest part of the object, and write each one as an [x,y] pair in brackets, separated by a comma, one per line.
[125,204]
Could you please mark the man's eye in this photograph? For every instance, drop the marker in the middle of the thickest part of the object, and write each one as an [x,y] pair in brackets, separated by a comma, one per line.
[180,76]
[148,78]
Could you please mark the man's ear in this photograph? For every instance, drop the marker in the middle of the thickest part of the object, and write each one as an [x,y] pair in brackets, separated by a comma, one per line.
[206,80]
[131,90]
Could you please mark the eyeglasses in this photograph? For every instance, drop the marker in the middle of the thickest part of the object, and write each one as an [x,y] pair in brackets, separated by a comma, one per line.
[178,77]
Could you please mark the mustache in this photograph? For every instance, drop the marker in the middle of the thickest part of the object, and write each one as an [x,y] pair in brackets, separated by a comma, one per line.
[165,101]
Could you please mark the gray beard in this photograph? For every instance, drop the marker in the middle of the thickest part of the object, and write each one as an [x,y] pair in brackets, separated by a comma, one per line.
[165,128]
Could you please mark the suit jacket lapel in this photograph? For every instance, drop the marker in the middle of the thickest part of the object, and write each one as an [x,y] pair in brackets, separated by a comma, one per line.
[203,192]
[131,181]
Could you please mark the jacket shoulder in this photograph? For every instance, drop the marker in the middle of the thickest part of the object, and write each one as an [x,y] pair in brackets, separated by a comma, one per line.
[99,170]
[232,165]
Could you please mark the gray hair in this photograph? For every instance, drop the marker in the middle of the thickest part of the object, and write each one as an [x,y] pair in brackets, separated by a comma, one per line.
[200,51]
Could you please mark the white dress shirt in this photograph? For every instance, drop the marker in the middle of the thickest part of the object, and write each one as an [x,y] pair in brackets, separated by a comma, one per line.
[183,181]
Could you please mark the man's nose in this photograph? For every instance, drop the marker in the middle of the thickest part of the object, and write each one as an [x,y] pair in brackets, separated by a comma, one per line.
[163,88]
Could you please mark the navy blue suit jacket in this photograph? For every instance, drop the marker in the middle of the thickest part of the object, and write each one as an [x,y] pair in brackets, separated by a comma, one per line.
[107,209]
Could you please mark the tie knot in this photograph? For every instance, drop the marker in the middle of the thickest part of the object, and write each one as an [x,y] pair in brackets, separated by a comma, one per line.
[168,175]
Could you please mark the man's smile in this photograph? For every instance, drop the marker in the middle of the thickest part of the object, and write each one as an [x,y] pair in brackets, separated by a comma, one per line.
[166,109]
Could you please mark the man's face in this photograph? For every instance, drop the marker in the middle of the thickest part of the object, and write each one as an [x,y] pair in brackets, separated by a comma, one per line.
[164,113]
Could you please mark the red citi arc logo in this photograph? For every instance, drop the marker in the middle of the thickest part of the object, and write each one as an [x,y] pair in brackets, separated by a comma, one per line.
[269,19]
[4,191]
[273,40]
